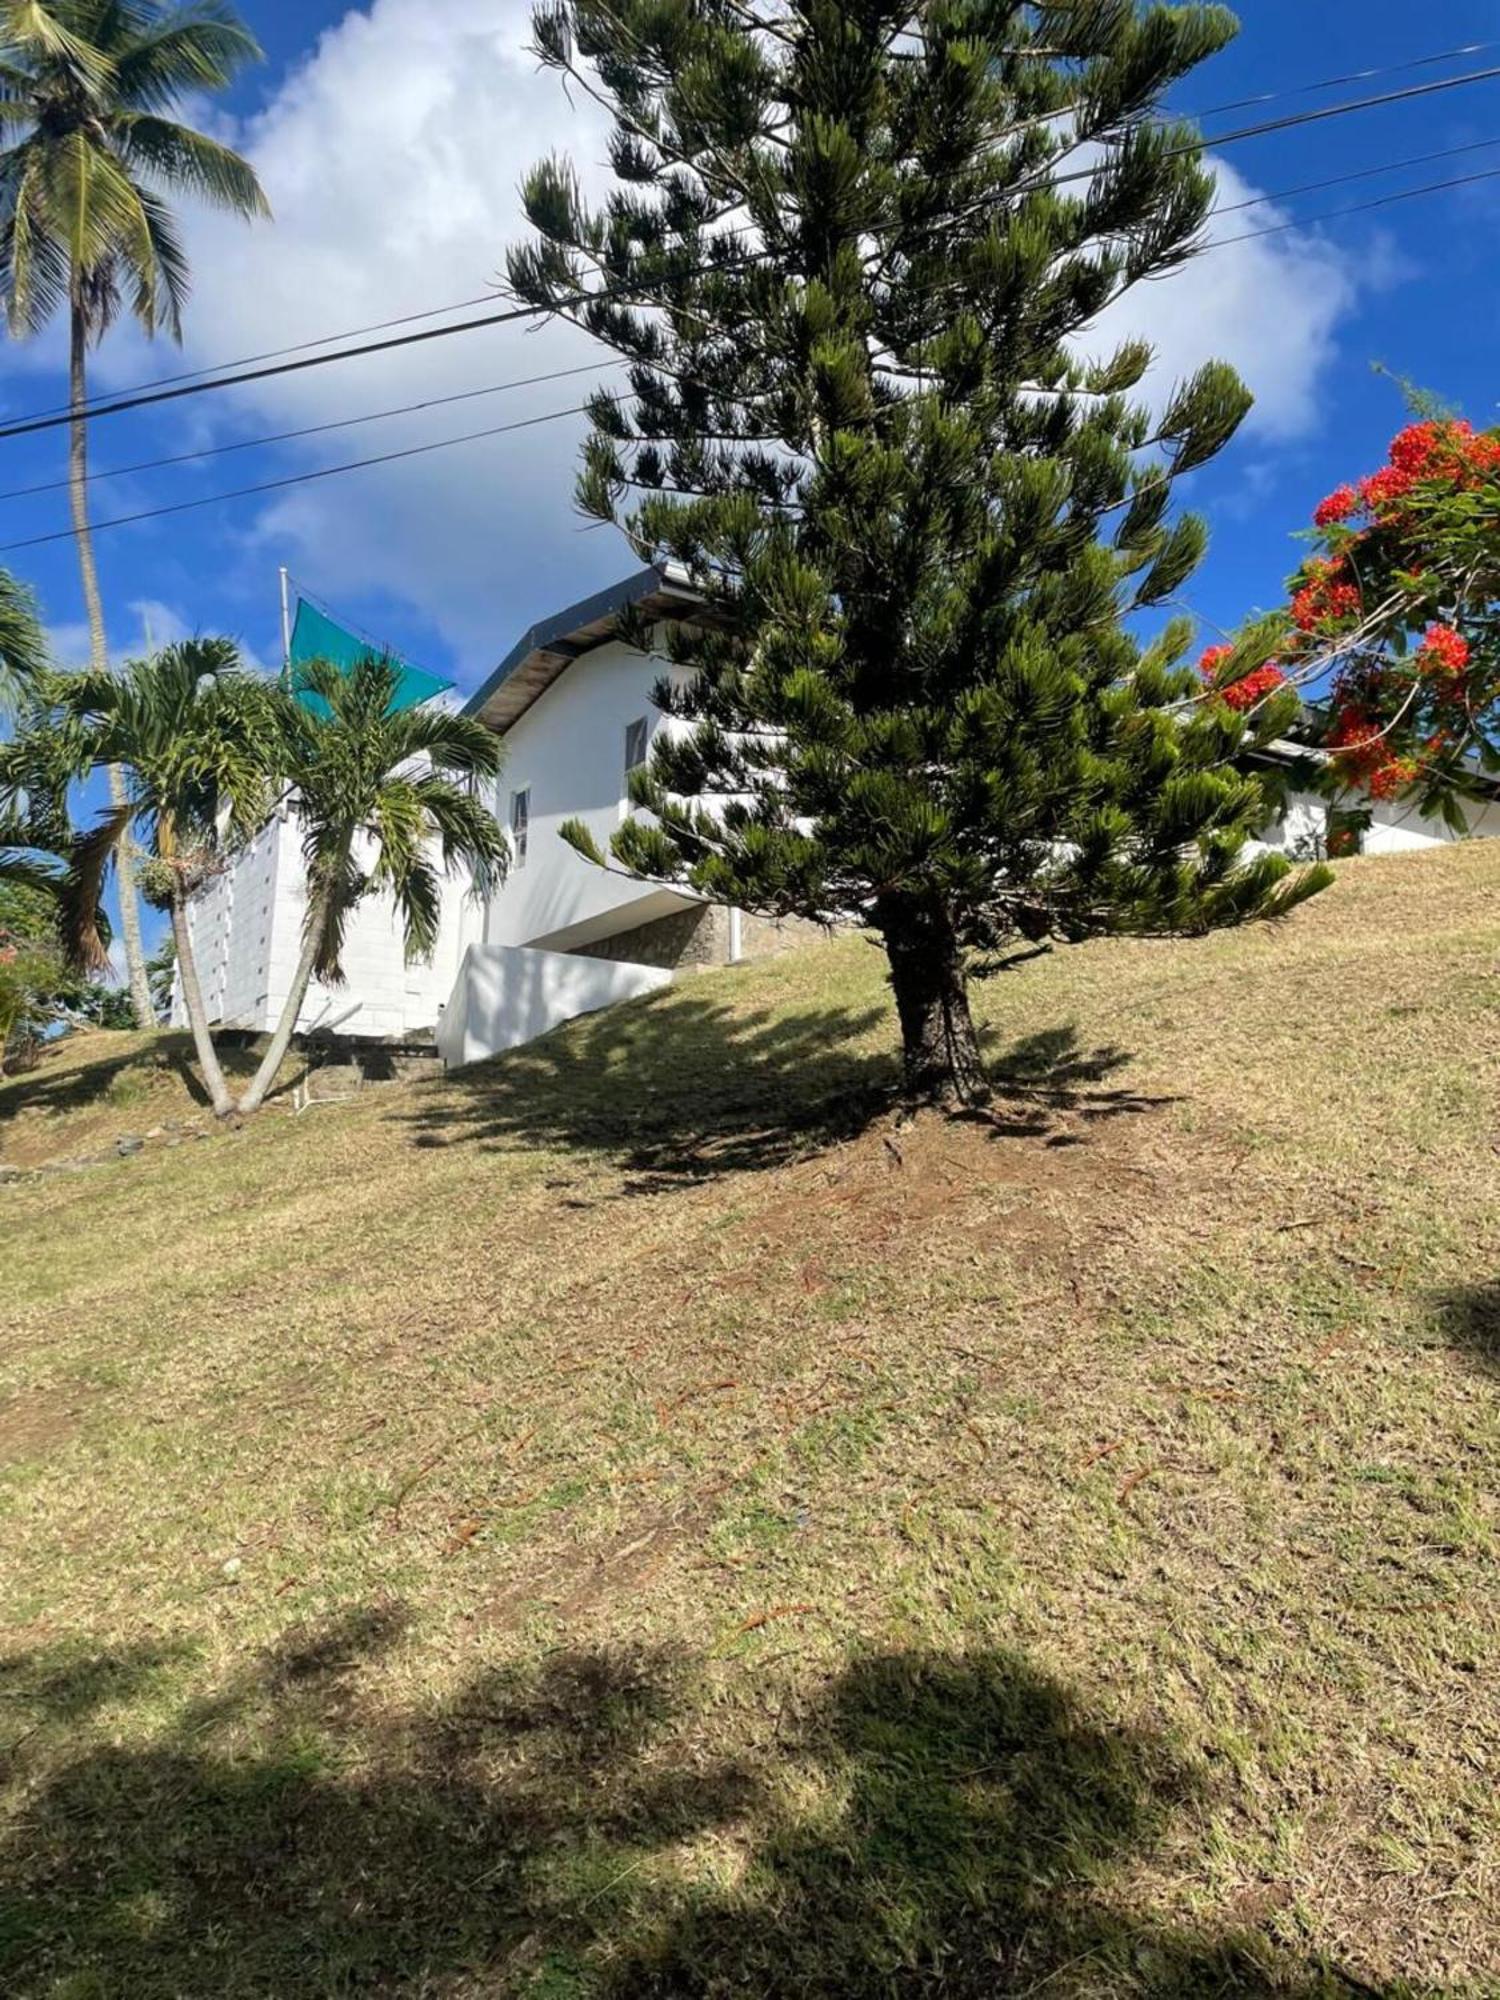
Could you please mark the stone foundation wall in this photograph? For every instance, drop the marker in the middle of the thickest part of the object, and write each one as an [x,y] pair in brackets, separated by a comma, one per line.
[700,938]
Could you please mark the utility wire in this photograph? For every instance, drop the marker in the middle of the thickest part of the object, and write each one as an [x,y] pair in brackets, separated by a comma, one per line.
[1337,82]
[556,416]
[588,367]
[313,430]
[276,353]
[483,298]
[1341,180]
[508,317]
[1355,208]
[298,478]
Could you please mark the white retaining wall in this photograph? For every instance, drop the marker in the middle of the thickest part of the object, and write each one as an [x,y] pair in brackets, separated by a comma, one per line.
[1394,828]
[506,995]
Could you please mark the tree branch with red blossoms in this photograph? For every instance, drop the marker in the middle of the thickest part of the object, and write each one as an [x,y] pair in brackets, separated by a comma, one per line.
[1393,626]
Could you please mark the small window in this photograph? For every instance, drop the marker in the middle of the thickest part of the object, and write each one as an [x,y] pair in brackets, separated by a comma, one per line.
[520,823]
[637,741]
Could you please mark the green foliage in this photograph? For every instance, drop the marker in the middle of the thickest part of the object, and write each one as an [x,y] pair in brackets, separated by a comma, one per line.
[400,786]
[23,650]
[195,737]
[851,254]
[86,87]
[39,991]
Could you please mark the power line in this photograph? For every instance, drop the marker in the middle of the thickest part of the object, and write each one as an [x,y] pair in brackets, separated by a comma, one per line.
[1337,82]
[235,378]
[277,353]
[556,416]
[1356,208]
[313,430]
[1341,180]
[1296,118]
[122,403]
[297,478]
[482,298]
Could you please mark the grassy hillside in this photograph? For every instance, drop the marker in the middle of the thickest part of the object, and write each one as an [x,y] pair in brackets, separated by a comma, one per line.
[636,1518]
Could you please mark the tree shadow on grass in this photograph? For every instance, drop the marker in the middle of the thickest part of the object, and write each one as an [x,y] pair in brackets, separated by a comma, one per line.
[683,1087]
[923,1824]
[55,1092]
[1469,1316]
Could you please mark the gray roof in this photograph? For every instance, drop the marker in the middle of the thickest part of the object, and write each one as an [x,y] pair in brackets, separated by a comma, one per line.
[551,645]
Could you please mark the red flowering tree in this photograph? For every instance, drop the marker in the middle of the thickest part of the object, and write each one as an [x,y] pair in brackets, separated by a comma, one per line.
[1392,624]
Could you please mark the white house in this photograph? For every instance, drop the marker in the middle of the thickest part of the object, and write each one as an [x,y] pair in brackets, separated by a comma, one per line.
[562,936]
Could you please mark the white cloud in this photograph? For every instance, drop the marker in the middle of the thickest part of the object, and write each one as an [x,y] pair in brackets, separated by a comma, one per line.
[1271,307]
[150,623]
[392,158]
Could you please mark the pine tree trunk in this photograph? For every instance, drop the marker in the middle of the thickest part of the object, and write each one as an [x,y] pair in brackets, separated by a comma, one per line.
[93,604]
[940,1051]
[197,1013]
[281,1041]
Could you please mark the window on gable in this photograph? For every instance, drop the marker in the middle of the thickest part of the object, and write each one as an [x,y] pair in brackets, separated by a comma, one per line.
[520,823]
[637,742]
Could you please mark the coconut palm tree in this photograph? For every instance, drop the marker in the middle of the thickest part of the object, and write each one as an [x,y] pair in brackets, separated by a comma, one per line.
[194,737]
[88,155]
[385,799]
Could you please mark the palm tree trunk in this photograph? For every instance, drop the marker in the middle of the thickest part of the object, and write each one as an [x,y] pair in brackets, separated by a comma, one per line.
[197,1013]
[281,1041]
[78,495]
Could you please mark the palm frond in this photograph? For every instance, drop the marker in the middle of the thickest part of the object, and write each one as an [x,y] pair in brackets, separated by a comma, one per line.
[43,33]
[91,204]
[33,259]
[194,48]
[23,649]
[169,276]
[335,888]
[418,897]
[27,861]
[177,157]
[450,741]
[81,893]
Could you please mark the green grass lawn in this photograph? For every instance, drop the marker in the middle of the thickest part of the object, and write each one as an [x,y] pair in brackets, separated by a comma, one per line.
[639,1518]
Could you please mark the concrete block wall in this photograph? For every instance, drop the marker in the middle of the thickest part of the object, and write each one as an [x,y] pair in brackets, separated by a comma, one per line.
[703,937]
[246,927]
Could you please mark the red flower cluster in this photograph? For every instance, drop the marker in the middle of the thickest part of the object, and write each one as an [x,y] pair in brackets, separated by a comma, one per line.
[1442,651]
[1363,755]
[1339,505]
[1326,598]
[1250,688]
[1450,451]
[1244,694]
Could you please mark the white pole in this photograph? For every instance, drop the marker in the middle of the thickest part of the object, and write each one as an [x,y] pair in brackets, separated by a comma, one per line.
[736,940]
[286,623]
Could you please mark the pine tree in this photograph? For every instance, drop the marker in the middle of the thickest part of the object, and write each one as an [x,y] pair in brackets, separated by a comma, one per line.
[852,255]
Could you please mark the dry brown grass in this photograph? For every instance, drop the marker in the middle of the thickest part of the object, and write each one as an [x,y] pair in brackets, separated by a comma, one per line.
[640,1518]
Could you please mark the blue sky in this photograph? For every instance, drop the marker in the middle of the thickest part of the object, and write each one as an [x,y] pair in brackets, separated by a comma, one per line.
[391,138]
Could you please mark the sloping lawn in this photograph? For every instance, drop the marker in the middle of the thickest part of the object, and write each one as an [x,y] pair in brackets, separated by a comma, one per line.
[639,1518]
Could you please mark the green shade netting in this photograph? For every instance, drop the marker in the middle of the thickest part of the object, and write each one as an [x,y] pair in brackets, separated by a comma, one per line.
[316,636]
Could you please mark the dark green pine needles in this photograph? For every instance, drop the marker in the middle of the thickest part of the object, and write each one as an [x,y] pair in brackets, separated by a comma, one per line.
[853,255]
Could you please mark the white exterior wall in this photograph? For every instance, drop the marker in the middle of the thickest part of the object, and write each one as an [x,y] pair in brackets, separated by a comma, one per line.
[507,995]
[232,922]
[1394,828]
[246,927]
[568,751]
